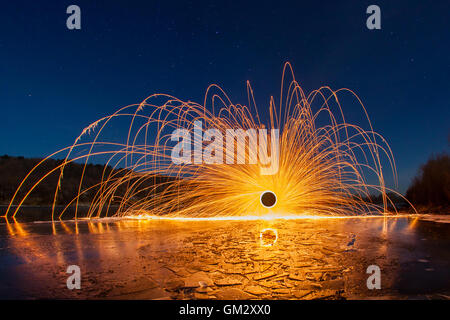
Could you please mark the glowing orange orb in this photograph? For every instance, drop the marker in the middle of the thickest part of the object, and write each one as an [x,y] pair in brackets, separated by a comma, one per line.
[268,199]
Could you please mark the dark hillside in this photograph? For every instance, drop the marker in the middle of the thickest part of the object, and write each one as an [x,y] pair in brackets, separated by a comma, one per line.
[14,169]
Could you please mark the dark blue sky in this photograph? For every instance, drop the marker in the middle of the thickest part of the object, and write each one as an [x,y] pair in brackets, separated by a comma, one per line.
[54,81]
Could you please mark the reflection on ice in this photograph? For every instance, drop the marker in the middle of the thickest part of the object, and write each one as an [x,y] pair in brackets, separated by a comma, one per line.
[260,259]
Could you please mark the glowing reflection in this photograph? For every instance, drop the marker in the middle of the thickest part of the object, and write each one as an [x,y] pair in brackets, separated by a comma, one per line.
[268,237]
[267,217]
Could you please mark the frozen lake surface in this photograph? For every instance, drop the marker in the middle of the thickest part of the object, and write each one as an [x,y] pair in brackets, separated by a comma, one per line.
[152,259]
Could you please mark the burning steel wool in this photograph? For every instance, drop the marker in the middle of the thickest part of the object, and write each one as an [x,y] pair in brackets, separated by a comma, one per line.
[319,163]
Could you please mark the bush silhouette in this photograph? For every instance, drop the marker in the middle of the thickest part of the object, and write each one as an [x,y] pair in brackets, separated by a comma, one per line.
[431,187]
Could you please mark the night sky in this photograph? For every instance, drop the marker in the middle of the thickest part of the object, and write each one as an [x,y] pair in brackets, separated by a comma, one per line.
[55,81]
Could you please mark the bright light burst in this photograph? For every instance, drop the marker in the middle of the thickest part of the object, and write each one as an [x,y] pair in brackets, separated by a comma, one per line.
[324,162]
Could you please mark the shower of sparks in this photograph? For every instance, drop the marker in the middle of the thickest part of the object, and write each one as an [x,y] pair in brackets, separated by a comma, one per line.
[324,162]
